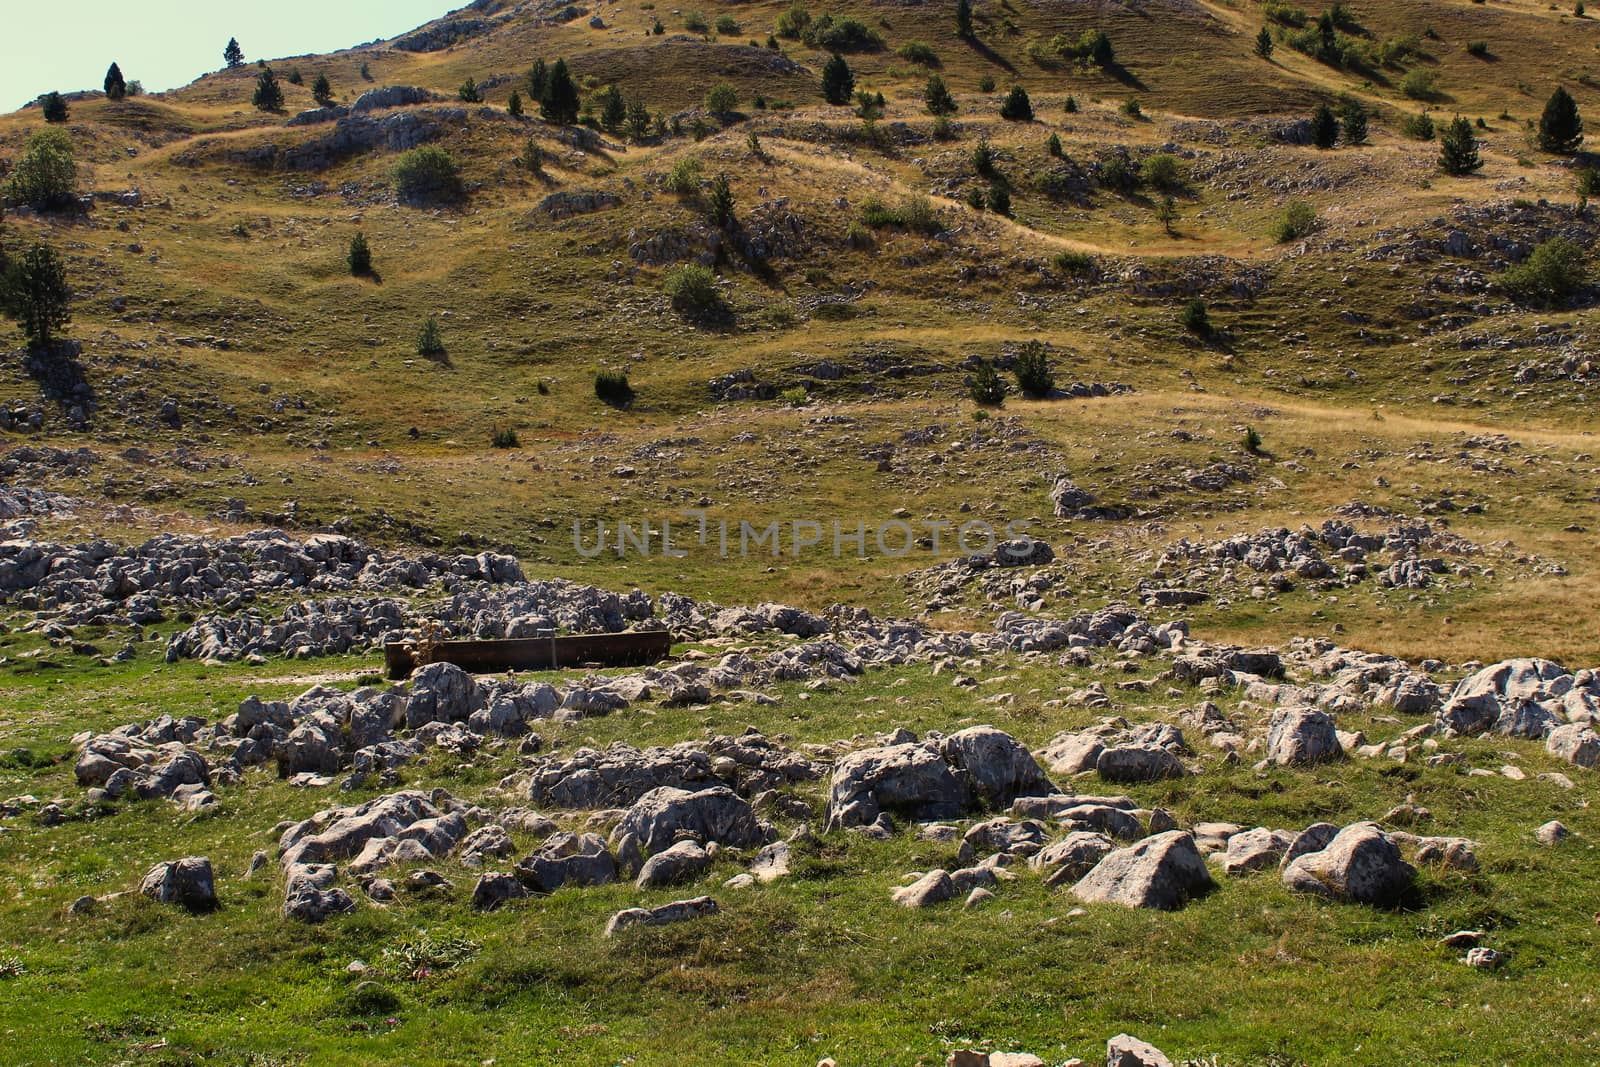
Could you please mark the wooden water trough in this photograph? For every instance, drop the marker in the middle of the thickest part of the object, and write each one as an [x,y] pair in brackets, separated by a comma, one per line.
[634,648]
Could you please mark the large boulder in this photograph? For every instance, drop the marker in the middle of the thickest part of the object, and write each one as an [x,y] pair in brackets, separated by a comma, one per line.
[1139,763]
[1360,864]
[568,859]
[1299,736]
[1072,857]
[683,862]
[935,887]
[1165,871]
[1576,743]
[716,814]
[1256,850]
[911,780]
[187,882]
[676,912]
[1126,1051]
[998,767]
[1494,697]
[342,833]
[442,692]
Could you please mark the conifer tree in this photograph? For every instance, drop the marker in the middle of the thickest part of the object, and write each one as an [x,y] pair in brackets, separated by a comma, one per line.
[233,54]
[559,104]
[1458,148]
[269,94]
[116,87]
[838,81]
[1561,127]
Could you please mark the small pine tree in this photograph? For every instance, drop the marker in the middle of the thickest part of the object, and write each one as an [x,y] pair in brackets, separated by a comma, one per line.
[983,159]
[638,120]
[537,80]
[838,81]
[322,90]
[514,105]
[233,55]
[1017,107]
[116,87]
[964,19]
[1032,369]
[360,256]
[985,386]
[269,94]
[1072,105]
[1252,440]
[1324,127]
[613,109]
[1561,127]
[721,202]
[1353,121]
[429,344]
[54,107]
[469,93]
[1167,213]
[37,295]
[295,77]
[1264,45]
[1458,148]
[1195,318]
[560,101]
[1000,199]
[1052,147]
[936,97]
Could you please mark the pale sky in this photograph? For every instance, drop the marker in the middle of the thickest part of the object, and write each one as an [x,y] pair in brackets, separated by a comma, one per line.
[67,45]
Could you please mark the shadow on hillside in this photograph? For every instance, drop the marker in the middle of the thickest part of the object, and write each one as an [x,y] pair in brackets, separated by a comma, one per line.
[61,376]
[991,55]
[1126,77]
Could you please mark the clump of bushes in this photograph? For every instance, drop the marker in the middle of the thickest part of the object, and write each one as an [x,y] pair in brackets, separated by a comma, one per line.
[914,214]
[505,437]
[684,178]
[1555,271]
[612,388]
[694,292]
[831,33]
[1299,220]
[1073,262]
[1195,318]
[985,387]
[428,175]
[1163,171]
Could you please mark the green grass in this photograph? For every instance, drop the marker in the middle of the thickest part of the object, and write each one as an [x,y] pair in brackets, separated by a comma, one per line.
[819,964]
